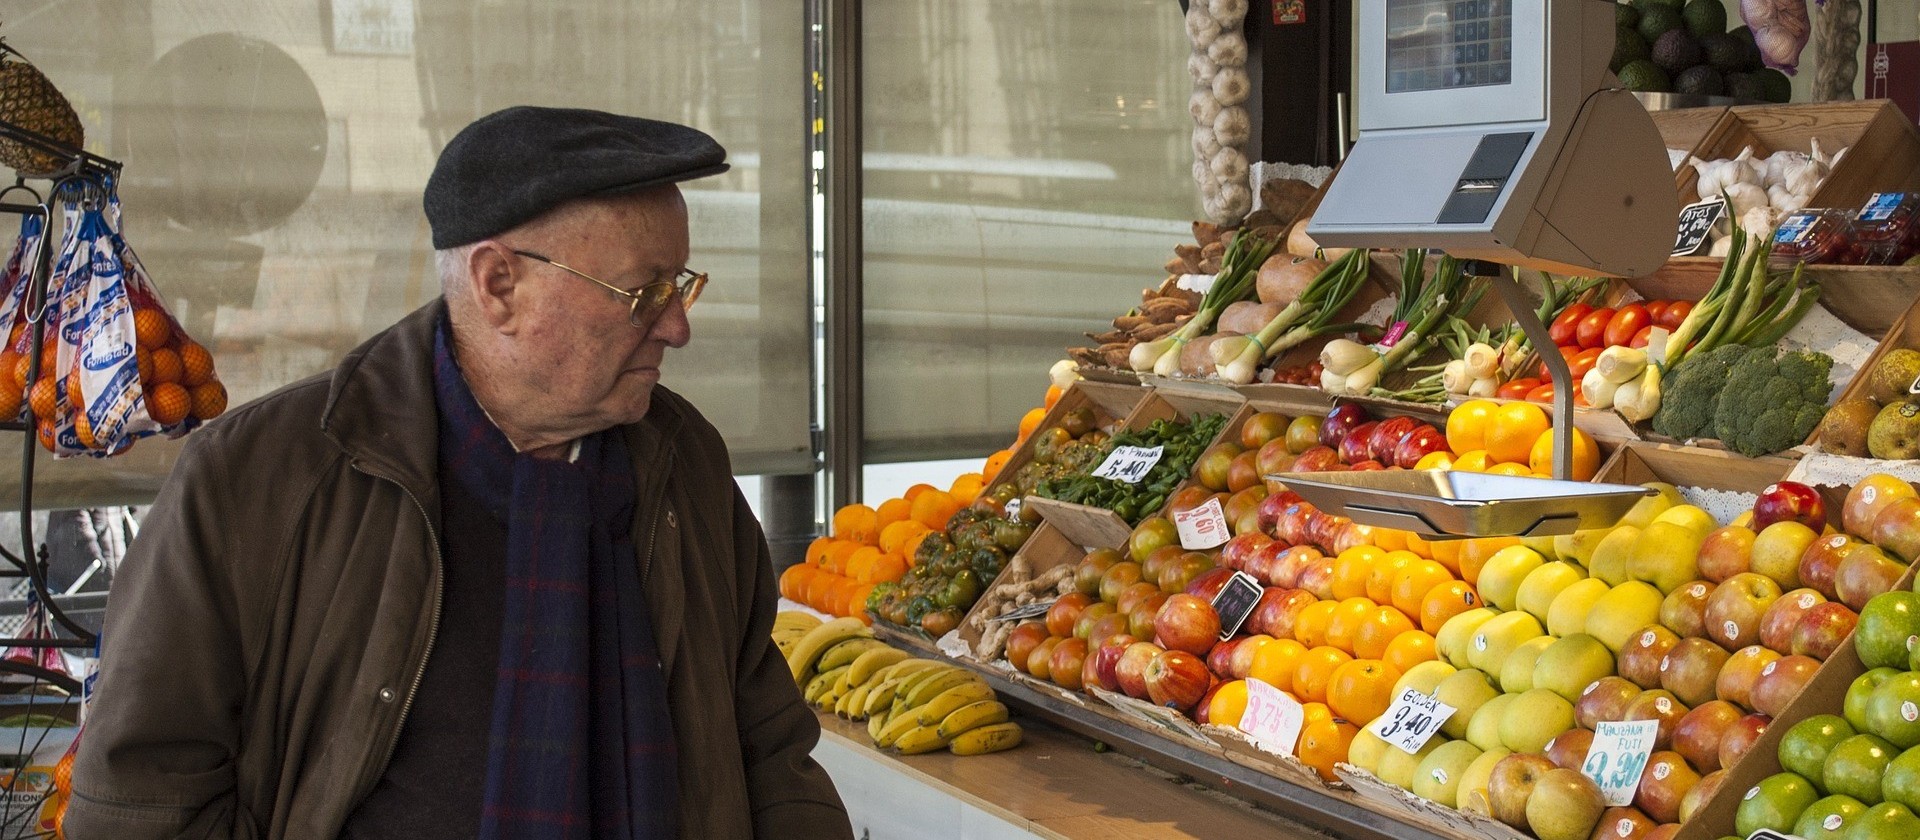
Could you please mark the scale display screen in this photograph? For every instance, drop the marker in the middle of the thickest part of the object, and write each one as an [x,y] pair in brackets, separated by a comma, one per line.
[1446,44]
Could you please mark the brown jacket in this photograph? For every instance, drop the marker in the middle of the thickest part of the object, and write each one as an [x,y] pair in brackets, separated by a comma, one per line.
[269,625]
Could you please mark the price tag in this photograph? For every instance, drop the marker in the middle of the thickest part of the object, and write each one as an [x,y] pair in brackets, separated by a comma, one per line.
[1272,718]
[1236,601]
[1033,610]
[1696,221]
[1014,505]
[1129,463]
[1770,834]
[1411,721]
[1881,206]
[1618,755]
[1203,527]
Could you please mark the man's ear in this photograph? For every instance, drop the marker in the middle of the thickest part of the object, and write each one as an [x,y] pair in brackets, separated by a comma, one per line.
[491,282]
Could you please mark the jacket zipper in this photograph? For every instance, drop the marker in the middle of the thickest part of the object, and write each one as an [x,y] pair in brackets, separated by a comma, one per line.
[433,626]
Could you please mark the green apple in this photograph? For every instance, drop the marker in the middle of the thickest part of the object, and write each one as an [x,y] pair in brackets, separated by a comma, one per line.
[1501,576]
[1484,730]
[1609,560]
[1666,554]
[1534,719]
[1545,583]
[1437,779]
[1885,821]
[1568,614]
[1902,782]
[1516,674]
[1826,818]
[1466,691]
[1643,511]
[1571,664]
[1805,747]
[1622,612]
[1888,622]
[1456,636]
[1775,803]
[1397,766]
[1367,749]
[1689,517]
[1566,805]
[1545,546]
[1472,795]
[1578,546]
[1423,677]
[1855,765]
[1498,637]
[1853,706]
[1893,710]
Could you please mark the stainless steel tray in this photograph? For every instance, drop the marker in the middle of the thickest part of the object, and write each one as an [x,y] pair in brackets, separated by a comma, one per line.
[1441,503]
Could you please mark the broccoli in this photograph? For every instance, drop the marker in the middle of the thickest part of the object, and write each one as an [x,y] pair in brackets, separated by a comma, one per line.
[1771,404]
[1690,398]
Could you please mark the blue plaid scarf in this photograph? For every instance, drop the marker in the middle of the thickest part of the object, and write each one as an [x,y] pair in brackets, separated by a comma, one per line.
[582,744]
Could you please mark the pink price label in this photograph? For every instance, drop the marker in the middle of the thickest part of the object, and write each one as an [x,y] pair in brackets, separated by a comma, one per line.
[1395,332]
[1202,527]
[1273,719]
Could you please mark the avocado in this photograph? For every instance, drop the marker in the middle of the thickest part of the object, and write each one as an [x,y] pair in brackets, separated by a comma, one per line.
[1748,47]
[1628,47]
[1625,15]
[1645,76]
[1656,21]
[1677,50]
[1746,86]
[1701,80]
[1723,53]
[1775,85]
[1704,17]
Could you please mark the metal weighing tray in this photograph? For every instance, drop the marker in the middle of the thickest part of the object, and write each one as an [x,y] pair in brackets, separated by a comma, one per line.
[1439,503]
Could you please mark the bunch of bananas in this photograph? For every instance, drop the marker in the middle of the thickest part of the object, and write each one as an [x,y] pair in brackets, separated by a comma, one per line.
[910,705]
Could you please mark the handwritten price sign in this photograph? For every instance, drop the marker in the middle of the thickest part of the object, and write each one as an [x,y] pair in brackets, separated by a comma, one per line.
[1129,463]
[1202,527]
[1411,721]
[1272,718]
[1618,756]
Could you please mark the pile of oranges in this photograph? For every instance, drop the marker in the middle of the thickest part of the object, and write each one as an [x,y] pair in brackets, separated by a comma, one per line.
[870,546]
[1514,438]
[177,379]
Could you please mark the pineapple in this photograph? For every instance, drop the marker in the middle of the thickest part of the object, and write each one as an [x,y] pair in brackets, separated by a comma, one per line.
[28,100]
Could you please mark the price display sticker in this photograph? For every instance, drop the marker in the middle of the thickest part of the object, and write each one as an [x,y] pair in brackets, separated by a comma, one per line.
[1202,527]
[1272,718]
[1618,755]
[1411,720]
[1696,221]
[1129,464]
[1237,598]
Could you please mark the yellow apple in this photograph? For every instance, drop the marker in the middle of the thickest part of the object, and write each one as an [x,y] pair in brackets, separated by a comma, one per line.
[1398,766]
[1466,691]
[1534,719]
[1423,677]
[1667,553]
[1571,664]
[1472,795]
[1544,545]
[1544,584]
[1367,749]
[1568,614]
[1456,636]
[1498,637]
[1500,578]
[1689,517]
[1578,546]
[1484,730]
[1516,673]
[1609,561]
[1623,611]
[1646,509]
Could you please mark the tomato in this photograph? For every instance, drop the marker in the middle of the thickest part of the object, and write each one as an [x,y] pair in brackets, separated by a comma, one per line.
[1517,389]
[1563,327]
[1624,323]
[1592,330]
[1542,394]
[1580,399]
[1674,315]
[1641,338]
[1583,362]
[1565,353]
[1656,307]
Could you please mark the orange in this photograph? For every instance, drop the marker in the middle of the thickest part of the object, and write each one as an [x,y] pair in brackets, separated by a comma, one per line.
[1435,461]
[1446,601]
[1475,553]
[9,401]
[1054,392]
[1310,626]
[793,581]
[1411,585]
[166,365]
[196,364]
[934,507]
[45,398]
[1472,461]
[886,568]
[858,523]
[1324,741]
[817,588]
[209,399]
[83,430]
[10,370]
[1384,570]
[1389,539]
[1031,421]
[818,549]
[915,491]
[1350,571]
[1516,470]
[967,487]
[1228,704]
[1419,545]
[857,605]
[1467,425]
[144,360]
[1315,672]
[1409,649]
[150,328]
[1586,456]
[894,537]
[1274,662]
[1513,429]
[841,599]
[860,563]
[1361,690]
[75,396]
[835,559]
[1447,554]
[892,511]
[1347,618]
[911,548]
[995,462]
[1379,631]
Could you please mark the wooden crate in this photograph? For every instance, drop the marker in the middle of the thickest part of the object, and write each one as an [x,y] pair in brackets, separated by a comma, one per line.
[1867,297]
[1883,146]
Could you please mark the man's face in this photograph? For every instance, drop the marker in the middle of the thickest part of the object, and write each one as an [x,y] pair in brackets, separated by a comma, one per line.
[577,345]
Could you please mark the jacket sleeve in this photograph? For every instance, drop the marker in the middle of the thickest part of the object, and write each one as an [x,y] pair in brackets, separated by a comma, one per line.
[791,793]
[157,757]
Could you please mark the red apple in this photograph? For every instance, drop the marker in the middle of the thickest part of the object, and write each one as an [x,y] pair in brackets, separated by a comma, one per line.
[1350,534]
[1235,554]
[1685,609]
[1511,785]
[1292,525]
[1108,625]
[1212,466]
[1698,735]
[1022,640]
[1822,629]
[1103,663]
[1781,681]
[1261,563]
[1789,501]
[1339,423]
[1727,552]
[1318,459]
[1277,611]
[1701,793]
[1293,563]
[1867,571]
[1741,737]
[1666,831]
[1640,660]
[1140,618]
[1897,529]
[1659,705]
[1367,465]
[1274,457]
[1185,570]
[1220,658]
[1569,749]
[1605,699]
[1735,608]
[1177,679]
[1623,822]
[1422,442]
[1065,611]
[1690,669]
[1068,662]
[1387,436]
[1776,627]
[1187,623]
[1131,671]
[1244,473]
[1318,578]
[1208,584]
[1822,560]
[1666,779]
[1132,596]
[1240,664]
[1273,507]
[1867,498]
[1358,445]
[1742,671]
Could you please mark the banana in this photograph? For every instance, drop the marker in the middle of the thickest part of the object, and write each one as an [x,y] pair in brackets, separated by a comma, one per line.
[821,684]
[973,716]
[786,639]
[936,710]
[795,619]
[932,688]
[853,704]
[869,664]
[986,739]
[875,723]
[845,652]
[818,641]
[920,739]
[906,686]
[900,723]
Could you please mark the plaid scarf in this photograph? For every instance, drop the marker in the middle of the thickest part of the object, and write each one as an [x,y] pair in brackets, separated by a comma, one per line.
[582,744]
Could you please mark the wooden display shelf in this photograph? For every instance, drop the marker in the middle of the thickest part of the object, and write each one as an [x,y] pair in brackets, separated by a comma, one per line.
[1869,298]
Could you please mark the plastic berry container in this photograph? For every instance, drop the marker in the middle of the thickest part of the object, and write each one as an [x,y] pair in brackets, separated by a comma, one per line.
[1887,228]
[1814,236]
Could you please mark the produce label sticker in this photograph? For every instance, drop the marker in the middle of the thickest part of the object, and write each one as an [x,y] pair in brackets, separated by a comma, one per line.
[1696,221]
[1129,464]
[1236,601]
[1795,228]
[1618,755]
[1881,206]
[1202,527]
[1411,721]
[1272,718]
[1033,610]
[1288,12]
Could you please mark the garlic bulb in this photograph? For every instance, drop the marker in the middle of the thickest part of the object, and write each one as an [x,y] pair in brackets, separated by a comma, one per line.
[1201,69]
[1228,50]
[1231,86]
[1721,247]
[1743,196]
[1758,222]
[1201,27]
[1236,199]
[1751,171]
[1708,183]
[1802,177]
[1202,106]
[1204,143]
[1227,10]
[1232,127]
[1229,166]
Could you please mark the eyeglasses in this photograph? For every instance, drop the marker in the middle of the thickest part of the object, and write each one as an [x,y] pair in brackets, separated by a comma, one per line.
[646,301]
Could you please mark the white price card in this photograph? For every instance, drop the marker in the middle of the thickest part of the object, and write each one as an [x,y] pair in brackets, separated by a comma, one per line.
[1411,720]
[1202,527]
[1273,718]
[1618,755]
[1129,463]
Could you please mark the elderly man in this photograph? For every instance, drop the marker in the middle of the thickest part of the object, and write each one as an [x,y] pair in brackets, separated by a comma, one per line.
[486,578]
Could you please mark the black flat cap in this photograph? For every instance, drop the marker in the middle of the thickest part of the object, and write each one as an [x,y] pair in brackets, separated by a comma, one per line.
[513,165]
